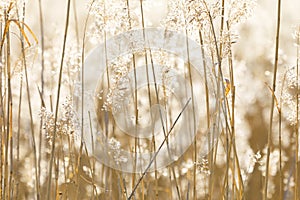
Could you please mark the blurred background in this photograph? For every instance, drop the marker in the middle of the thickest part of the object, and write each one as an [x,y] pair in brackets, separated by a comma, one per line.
[253,61]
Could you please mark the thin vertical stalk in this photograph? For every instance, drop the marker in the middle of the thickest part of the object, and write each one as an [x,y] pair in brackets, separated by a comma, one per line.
[221,31]
[220,68]
[42,78]
[210,155]
[272,101]
[57,101]
[136,140]
[11,140]
[93,153]
[2,121]
[18,132]
[194,117]
[281,177]
[297,122]
[233,144]
[193,108]
[9,112]
[232,121]
[82,81]
[135,100]
[76,22]
[56,176]
[42,46]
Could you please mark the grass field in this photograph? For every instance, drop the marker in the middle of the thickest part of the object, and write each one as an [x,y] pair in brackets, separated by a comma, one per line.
[149,99]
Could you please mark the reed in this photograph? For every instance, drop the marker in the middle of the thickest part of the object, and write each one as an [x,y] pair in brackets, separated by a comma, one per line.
[244,147]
